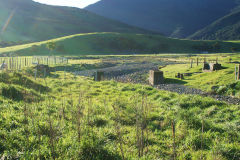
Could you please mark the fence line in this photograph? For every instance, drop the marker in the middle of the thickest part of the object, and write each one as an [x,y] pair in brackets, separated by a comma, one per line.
[17,63]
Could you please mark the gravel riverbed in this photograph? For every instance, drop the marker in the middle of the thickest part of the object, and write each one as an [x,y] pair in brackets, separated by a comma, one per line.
[138,73]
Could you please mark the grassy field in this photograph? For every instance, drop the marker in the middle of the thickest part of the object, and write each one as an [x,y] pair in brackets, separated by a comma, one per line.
[235,41]
[64,116]
[119,43]
[26,46]
[77,118]
[217,82]
[221,82]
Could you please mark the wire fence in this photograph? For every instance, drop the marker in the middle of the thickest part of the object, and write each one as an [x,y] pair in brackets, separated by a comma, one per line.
[18,63]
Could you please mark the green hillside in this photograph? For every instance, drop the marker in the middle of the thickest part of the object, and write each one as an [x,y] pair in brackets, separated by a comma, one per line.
[24,21]
[226,28]
[119,43]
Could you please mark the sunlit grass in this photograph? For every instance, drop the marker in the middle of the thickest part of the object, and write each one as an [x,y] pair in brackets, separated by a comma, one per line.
[24,46]
[205,81]
[109,43]
[52,123]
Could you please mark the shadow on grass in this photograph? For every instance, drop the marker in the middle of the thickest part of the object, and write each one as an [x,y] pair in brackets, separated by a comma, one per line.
[224,67]
[67,68]
[174,81]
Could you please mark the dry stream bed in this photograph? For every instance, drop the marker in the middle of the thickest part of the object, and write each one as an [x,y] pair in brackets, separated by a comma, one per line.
[137,72]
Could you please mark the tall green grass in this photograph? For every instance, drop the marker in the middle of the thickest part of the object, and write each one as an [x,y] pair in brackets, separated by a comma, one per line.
[78,118]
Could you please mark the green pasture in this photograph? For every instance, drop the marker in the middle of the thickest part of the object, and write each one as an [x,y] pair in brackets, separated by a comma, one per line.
[68,117]
[107,43]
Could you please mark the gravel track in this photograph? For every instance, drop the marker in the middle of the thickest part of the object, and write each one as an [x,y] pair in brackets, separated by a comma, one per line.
[136,73]
[121,72]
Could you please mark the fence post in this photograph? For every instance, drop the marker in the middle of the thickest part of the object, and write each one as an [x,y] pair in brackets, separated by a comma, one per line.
[35,73]
[20,63]
[235,73]
[238,74]
[45,72]
[174,141]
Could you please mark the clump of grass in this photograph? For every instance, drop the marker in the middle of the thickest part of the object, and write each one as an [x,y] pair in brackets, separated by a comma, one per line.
[229,89]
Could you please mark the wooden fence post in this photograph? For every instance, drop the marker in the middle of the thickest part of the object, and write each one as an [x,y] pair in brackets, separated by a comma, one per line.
[45,72]
[174,141]
[35,74]
[238,74]
[235,72]
[205,60]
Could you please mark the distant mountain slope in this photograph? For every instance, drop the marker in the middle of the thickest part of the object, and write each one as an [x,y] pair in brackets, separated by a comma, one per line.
[32,21]
[175,18]
[225,28]
[119,43]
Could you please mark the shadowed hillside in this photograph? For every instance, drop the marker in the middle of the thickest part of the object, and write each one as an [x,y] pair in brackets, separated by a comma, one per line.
[226,28]
[175,18]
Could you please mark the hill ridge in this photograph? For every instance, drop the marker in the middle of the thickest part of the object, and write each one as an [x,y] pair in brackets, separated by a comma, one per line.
[119,43]
[225,28]
[174,18]
[34,21]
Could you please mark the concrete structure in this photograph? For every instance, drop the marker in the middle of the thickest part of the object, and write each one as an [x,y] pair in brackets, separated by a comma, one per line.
[156,77]
[181,76]
[209,67]
[178,75]
[99,76]
[42,70]
[206,66]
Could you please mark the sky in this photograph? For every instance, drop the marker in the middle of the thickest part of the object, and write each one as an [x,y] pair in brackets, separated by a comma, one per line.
[71,3]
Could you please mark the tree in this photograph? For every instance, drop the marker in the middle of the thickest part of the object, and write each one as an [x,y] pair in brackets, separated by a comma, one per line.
[51,46]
